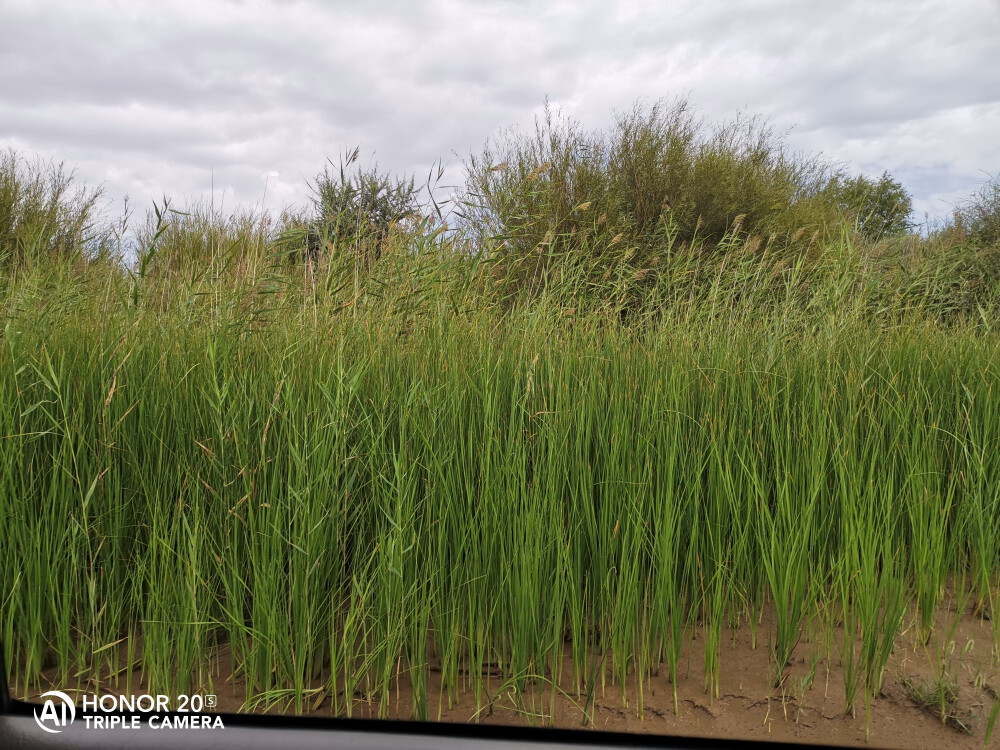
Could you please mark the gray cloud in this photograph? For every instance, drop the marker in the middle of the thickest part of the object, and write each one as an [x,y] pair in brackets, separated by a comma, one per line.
[152,98]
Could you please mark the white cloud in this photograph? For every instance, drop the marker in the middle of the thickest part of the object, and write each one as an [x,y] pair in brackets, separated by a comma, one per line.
[153,98]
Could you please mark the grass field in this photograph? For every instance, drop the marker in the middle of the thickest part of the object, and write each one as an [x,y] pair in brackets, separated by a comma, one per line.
[336,469]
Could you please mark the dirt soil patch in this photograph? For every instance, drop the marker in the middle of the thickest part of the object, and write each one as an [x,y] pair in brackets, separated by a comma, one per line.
[808,706]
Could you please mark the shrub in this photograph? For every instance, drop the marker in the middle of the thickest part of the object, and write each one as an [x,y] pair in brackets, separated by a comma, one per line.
[659,181]
[40,211]
[879,208]
[978,218]
[360,210]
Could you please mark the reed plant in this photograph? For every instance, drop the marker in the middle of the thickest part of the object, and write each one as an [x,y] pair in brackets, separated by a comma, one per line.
[491,448]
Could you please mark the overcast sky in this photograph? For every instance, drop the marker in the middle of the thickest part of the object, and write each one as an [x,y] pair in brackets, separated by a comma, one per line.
[154,98]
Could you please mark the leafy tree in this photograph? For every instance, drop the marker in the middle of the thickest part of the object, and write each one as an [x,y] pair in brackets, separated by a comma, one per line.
[881,207]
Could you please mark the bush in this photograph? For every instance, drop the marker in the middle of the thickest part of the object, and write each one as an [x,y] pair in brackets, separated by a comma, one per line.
[40,212]
[879,208]
[656,183]
[978,218]
[359,211]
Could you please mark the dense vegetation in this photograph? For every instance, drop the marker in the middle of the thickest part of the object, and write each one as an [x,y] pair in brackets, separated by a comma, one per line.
[635,383]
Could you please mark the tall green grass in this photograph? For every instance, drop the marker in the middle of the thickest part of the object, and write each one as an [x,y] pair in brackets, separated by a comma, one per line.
[333,496]
[493,446]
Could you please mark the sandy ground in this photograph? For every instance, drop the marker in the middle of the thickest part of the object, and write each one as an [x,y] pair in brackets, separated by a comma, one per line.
[807,707]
